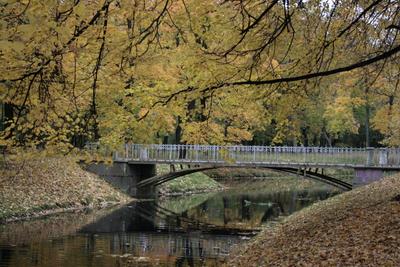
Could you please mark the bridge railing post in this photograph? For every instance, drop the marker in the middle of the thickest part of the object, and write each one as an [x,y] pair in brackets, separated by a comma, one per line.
[370,156]
[143,153]
[383,156]
[394,156]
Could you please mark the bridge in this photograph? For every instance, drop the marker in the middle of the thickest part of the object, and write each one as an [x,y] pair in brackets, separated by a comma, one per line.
[251,156]
[368,163]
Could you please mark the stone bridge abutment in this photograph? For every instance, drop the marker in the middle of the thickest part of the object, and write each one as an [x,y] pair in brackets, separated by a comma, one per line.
[124,176]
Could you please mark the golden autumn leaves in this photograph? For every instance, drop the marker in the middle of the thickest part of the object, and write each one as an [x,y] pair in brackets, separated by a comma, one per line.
[140,65]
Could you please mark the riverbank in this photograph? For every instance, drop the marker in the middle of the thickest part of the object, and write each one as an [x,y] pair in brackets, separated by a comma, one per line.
[194,183]
[356,228]
[38,187]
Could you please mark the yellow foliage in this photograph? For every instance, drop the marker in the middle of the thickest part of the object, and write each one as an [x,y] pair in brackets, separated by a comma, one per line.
[340,116]
[387,121]
[114,69]
[203,133]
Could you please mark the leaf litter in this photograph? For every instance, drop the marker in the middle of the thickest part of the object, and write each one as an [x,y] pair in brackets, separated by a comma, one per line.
[357,228]
[46,185]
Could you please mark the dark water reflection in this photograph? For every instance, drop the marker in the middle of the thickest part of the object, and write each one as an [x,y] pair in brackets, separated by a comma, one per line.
[197,230]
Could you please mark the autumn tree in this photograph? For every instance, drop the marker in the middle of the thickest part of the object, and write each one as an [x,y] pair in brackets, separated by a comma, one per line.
[70,65]
[219,71]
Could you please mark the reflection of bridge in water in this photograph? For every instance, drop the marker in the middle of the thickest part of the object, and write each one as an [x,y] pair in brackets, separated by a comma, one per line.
[144,229]
[174,232]
[138,162]
[205,229]
[148,216]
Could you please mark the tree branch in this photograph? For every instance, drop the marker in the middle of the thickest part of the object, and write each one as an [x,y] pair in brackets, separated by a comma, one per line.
[360,64]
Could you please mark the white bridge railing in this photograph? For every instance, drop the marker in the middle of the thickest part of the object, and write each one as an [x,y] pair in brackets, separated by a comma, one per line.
[258,155]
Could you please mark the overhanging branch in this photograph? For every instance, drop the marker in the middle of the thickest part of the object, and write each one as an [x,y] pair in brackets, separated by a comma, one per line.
[308,76]
[357,65]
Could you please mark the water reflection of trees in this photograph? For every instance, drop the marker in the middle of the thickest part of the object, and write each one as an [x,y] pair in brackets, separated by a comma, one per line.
[46,228]
[247,210]
[151,231]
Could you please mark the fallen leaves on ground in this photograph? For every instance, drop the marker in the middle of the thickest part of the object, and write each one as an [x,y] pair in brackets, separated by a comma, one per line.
[39,185]
[356,228]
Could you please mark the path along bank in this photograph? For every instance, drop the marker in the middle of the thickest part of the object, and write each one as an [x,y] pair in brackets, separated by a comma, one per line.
[37,187]
[357,228]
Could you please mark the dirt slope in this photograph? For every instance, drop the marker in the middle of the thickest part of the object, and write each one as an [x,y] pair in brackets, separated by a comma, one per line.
[356,228]
[43,186]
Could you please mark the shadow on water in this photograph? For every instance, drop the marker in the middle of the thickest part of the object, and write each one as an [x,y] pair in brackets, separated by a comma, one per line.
[197,230]
[247,210]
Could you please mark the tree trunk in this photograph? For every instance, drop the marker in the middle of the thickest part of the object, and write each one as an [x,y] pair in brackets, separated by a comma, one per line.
[178,131]
[367,115]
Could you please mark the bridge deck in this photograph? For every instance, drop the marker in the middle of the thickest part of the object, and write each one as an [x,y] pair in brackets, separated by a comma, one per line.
[262,156]
[260,164]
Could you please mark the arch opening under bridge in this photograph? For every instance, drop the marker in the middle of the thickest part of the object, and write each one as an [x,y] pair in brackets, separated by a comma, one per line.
[310,174]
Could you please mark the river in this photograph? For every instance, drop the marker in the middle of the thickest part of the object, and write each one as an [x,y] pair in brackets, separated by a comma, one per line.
[196,230]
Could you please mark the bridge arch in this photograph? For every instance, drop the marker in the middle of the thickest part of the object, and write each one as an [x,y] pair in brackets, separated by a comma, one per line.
[314,175]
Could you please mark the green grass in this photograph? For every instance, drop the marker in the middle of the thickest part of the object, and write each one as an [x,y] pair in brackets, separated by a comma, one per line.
[224,173]
[191,183]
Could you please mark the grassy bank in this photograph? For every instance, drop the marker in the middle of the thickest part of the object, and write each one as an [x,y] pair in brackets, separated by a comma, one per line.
[356,228]
[233,174]
[190,184]
[35,187]
[282,184]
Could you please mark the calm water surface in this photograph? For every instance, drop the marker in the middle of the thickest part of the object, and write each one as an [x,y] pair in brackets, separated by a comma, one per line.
[198,230]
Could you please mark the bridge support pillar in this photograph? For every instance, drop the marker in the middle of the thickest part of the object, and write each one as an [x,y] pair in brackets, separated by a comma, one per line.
[146,192]
[365,176]
[125,176]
